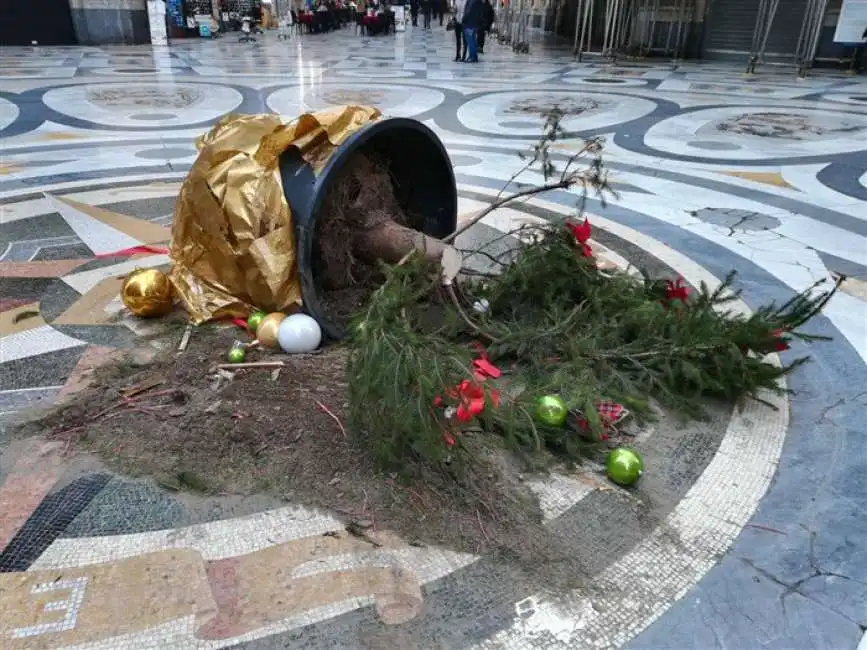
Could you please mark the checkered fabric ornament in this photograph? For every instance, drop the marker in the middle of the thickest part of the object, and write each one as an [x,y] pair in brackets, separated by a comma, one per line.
[610,413]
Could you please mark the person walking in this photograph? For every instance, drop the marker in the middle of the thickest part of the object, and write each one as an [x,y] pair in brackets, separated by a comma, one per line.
[488,17]
[460,44]
[413,11]
[472,21]
[426,8]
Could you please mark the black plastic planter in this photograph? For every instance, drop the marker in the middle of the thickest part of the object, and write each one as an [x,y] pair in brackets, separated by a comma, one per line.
[424,185]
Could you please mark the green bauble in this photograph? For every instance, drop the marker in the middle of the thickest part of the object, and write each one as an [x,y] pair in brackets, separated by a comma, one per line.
[254,320]
[551,410]
[237,355]
[624,466]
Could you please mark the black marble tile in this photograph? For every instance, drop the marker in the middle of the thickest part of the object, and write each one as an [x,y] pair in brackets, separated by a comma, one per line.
[38,227]
[62,252]
[49,369]
[23,288]
[48,521]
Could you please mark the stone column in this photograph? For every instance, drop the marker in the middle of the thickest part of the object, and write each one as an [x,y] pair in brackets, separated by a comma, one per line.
[100,22]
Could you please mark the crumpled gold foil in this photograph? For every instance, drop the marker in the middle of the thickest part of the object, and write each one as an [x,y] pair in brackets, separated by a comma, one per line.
[233,243]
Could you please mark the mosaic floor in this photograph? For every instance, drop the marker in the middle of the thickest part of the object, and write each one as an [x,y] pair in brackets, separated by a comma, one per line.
[763,537]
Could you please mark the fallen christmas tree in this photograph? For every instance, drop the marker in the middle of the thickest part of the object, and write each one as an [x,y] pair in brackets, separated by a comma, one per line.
[433,361]
[447,363]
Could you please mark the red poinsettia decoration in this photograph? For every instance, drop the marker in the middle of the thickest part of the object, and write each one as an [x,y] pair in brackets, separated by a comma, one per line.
[581,232]
[471,399]
[482,366]
[676,290]
[469,394]
[780,343]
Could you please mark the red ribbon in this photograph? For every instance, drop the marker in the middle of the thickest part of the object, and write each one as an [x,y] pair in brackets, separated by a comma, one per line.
[136,250]
[482,367]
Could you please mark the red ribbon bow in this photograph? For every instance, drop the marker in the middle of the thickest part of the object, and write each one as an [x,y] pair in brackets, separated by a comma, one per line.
[581,232]
[676,290]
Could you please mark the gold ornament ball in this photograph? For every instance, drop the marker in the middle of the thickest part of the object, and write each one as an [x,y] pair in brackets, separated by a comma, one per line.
[147,293]
[267,330]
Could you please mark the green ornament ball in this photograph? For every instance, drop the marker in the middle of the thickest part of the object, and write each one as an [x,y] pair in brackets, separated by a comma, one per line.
[624,466]
[254,320]
[237,355]
[551,410]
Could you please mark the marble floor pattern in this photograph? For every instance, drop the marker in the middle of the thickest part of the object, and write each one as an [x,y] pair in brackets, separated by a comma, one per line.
[763,542]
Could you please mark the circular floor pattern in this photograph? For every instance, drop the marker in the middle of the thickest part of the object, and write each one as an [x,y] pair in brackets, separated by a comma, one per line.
[117,104]
[501,113]
[756,132]
[603,81]
[397,101]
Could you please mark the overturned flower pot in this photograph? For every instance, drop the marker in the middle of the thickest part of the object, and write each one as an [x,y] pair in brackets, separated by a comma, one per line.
[387,190]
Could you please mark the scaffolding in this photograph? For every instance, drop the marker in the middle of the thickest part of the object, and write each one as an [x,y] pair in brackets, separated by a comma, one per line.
[808,37]
[634,27]
[512,26]
[811,32]
[762,30]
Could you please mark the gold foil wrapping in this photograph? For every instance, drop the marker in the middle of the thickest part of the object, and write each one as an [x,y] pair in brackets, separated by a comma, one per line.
[233,243]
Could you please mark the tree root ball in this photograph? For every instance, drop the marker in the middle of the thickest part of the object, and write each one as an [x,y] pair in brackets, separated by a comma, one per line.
[362,223]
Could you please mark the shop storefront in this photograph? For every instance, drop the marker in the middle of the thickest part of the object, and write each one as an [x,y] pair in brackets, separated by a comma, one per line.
[37,22]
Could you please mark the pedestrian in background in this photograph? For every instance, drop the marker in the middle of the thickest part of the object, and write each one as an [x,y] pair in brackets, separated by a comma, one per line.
[472,21]
[426,8]
[413,11]
[458,7]
[488,18]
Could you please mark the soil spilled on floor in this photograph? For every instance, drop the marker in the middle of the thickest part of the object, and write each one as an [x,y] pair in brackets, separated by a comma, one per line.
[197,429]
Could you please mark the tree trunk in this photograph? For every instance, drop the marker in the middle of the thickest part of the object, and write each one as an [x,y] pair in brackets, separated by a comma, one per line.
[391,242]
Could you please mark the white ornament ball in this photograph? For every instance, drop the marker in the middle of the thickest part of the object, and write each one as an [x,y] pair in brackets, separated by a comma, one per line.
[299,333]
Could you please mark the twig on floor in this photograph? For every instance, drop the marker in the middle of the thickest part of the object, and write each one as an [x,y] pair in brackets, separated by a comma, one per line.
[482,526]
[141,388]
[185,339]
[332,416]
[767,528]
[250,364]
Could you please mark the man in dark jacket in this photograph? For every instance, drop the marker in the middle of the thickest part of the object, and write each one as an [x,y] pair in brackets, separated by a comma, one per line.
[488,18]
[471,22]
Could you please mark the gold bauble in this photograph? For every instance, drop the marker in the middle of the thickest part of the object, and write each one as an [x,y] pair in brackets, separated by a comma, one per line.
[267,330]
[147,293]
